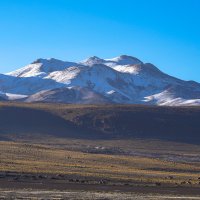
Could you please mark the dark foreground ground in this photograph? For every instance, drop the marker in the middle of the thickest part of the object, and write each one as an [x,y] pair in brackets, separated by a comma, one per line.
[85,195]
[27,188]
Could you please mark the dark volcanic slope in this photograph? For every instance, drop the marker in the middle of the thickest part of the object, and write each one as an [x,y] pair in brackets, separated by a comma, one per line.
[108,121]
[173,123]
[29,122]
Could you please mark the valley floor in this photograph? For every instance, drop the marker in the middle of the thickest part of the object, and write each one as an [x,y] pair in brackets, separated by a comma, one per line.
[51,171]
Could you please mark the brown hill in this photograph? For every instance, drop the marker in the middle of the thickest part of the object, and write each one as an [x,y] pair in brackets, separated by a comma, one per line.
[104,121]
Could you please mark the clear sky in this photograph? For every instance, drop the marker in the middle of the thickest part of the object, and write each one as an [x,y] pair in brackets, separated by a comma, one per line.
[163,32]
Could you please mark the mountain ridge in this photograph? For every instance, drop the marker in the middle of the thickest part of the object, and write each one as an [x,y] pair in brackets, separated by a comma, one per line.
[120,80]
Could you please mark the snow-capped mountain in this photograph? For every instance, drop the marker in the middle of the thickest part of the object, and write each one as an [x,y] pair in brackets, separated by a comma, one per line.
[123,79]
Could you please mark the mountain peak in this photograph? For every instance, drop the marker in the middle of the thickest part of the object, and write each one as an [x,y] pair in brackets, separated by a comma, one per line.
[43,60]
[42,67]
[38,61]
[125,60]
[94,58]
[126,57]
[92,61]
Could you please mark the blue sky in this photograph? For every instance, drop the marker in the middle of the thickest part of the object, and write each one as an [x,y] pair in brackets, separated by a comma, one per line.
[163,32]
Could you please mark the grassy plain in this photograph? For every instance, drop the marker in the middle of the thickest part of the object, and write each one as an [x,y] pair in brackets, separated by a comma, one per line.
[46,159]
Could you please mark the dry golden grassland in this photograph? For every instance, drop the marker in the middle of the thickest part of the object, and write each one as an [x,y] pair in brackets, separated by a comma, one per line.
[28,158]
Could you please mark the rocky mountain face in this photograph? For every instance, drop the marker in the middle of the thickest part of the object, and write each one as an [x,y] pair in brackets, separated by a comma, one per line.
[120,80]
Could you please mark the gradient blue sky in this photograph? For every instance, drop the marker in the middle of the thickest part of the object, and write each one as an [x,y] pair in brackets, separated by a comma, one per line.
[163,32]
